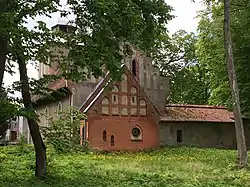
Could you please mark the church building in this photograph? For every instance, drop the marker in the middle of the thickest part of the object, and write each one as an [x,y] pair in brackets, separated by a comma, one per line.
[133,114]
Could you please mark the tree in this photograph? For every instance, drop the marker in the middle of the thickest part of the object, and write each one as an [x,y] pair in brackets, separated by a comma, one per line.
[24,45]
[189,80]
[8,109]
[103,29]
[190,85]
[211,51]
[3,39]
[215,49]
[239,128]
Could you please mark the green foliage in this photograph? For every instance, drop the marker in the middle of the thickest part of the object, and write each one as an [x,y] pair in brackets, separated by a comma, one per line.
[8,110]
[189,78]
[104,30]
[176,167]
[63,132]
[190,86]
[211,51]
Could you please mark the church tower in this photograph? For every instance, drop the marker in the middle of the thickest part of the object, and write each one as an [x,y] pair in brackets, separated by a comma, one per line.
[62,25]
[149,78]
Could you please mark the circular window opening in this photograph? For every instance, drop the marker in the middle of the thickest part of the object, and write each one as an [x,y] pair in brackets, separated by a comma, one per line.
[136,132]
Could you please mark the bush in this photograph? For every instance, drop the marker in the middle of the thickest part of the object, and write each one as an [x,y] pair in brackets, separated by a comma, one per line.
[63,132]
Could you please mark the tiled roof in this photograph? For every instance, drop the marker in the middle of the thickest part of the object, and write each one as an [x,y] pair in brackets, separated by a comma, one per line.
[205,113]
[55,85]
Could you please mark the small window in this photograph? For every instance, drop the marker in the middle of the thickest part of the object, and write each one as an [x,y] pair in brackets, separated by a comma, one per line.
[136,132]
[134,67]
[13,136]
[63,28]
[104,136]
[133,99]
[114,98]
[179,136]
[112,140]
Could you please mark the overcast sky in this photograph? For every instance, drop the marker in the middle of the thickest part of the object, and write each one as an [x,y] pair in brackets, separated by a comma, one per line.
[185,12]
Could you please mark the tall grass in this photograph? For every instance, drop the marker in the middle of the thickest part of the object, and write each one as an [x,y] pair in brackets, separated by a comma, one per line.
[178,167]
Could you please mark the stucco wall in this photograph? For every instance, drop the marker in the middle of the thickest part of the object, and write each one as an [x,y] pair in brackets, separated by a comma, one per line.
[199,134]
[82,90]
[51,107]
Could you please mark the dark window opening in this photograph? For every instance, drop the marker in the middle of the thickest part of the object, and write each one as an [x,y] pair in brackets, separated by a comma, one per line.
[133,99]
[112,140]
[13,136]
[179,136]
[104,136]
[114,98]
[63,28]
[136,132]
[134,67]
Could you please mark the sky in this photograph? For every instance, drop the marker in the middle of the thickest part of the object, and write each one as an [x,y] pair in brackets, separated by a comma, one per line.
[184,10]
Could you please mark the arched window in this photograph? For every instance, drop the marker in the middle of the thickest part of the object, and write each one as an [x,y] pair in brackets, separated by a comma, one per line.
[133,97]
[105,106]
[142,102]
[134,67]
[112,140]
[105,101]
[115,89]
[133,90]
[115,95]
[143,109]
[104,136]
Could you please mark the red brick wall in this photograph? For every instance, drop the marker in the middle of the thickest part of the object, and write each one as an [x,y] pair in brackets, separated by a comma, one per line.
[121,128]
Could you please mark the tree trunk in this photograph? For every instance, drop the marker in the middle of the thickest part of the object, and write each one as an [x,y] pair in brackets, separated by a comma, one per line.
[3,53]
[40,148]
[239,128]
[3,43]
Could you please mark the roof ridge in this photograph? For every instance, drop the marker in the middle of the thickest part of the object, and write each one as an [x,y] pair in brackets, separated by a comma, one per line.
[195,106]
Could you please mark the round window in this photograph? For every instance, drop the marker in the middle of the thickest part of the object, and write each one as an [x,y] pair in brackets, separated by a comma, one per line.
[136,132]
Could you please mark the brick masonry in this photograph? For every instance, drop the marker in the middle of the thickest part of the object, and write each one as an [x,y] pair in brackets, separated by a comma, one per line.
[126,116]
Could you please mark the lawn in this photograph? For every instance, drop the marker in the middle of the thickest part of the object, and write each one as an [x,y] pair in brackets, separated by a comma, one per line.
[167,167]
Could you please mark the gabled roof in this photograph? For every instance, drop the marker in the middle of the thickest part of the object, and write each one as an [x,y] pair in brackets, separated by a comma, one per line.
[100,88]
[55,86]
[201,113]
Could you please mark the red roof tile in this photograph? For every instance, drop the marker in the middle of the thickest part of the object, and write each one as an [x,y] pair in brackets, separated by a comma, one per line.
[179,112]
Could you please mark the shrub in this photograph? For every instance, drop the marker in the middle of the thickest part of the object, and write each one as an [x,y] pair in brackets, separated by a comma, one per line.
[63,132]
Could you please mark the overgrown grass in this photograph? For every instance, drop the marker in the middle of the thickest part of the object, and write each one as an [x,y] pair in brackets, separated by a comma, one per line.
[167,167]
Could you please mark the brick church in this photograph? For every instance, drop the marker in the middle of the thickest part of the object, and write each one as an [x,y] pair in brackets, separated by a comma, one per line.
[133,114]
